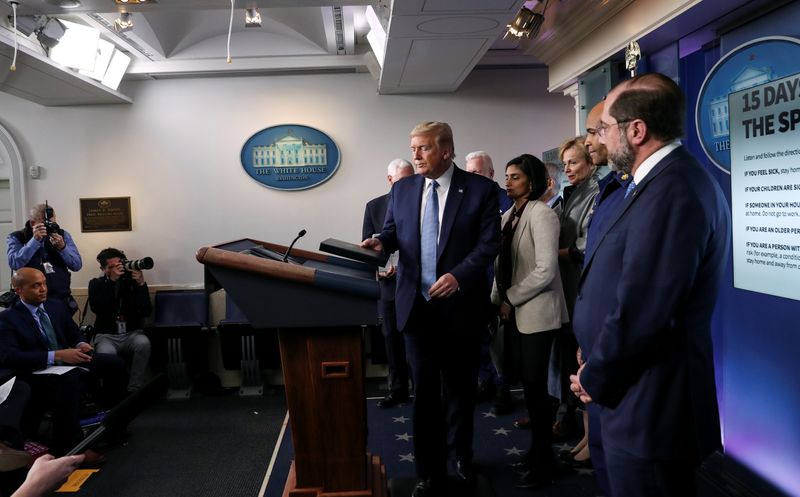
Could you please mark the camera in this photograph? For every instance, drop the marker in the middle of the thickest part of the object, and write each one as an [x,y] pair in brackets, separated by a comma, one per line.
[51,226]
[138,265]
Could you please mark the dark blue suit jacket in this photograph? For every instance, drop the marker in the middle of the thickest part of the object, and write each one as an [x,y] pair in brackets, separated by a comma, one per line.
[643,313]
[22,346]
[469,240]
[374,217]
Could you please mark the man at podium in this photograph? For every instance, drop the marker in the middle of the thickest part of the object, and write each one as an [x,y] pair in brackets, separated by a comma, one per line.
[446,241]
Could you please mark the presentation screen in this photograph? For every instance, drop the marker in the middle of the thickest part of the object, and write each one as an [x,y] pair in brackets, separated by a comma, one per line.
[765,187]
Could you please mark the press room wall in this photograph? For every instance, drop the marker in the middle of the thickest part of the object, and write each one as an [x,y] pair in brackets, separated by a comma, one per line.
[175,152]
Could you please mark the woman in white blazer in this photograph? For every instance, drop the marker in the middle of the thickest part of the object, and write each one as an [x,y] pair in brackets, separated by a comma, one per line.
[530,297]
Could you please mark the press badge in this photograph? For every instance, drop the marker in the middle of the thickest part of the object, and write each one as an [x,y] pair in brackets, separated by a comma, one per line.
[48,268]
[121,327]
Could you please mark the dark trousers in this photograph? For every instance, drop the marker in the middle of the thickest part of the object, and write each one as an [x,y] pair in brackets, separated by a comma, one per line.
[11,414]
[444,364]
[631,476]
[596,449]
[537,399]
[395,350]
[62,396]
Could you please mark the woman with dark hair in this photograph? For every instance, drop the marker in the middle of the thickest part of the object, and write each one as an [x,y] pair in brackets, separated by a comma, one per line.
[528,290]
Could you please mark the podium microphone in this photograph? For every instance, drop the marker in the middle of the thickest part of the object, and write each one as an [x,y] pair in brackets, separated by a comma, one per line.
[299,236]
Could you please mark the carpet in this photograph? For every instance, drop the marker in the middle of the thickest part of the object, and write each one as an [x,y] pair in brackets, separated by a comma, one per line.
[497,443]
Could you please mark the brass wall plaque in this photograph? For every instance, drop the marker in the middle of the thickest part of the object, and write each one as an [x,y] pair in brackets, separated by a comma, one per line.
[105,214]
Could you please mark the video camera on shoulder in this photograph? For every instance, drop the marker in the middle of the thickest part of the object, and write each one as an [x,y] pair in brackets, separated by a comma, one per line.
[51,226]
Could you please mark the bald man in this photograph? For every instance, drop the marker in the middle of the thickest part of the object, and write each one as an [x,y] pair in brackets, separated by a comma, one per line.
[612,186]
[36,333]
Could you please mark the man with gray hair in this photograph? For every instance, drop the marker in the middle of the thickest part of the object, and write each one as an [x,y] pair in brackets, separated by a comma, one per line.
[552,196]
[374,215]
[492,385]
[43,245]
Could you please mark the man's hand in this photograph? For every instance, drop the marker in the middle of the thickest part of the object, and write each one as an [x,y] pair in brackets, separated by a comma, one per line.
[372,243]
[116,272]
[39,232]
[72,356]
[444,287]
[46,473]
[138,277]
[577,388]
[505,311]
[391,270]
[85,348]
[58,241]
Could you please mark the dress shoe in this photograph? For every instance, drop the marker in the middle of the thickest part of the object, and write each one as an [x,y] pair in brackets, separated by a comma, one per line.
[536,478]
[393,399]
[465,471]
[93,459]
[11,459]
[523,423]
[429,488]
[503,403]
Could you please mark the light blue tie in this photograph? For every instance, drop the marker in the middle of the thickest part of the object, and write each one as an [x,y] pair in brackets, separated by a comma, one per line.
[47,326]
[429,239]
[631,187]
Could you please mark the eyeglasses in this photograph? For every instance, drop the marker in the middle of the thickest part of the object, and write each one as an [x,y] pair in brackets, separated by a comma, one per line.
[601,129]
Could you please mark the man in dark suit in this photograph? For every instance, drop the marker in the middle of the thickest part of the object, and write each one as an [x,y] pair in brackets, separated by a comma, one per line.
[36,333]
[646,296]
[444,222]
[374,216]
[492,384]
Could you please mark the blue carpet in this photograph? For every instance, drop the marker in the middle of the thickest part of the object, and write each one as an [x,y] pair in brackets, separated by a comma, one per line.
[497,443]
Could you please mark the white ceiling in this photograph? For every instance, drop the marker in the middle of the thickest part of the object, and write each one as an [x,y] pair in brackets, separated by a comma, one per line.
[431,45]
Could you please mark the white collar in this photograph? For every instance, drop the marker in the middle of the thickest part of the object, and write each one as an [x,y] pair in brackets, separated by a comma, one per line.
[444,180]
[649,163]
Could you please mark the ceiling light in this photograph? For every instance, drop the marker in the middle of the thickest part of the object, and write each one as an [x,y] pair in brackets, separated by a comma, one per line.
[527,23]
[252,19]
[124,22]
[133,2]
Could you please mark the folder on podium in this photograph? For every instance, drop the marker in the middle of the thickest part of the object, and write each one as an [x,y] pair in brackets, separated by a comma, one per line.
[319,303]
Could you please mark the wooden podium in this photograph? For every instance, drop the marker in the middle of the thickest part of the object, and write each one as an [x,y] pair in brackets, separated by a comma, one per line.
[318,303]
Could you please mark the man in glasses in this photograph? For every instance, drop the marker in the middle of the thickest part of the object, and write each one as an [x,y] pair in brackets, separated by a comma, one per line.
[647,293]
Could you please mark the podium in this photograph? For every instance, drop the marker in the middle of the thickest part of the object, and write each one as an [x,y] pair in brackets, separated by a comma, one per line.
[318,303]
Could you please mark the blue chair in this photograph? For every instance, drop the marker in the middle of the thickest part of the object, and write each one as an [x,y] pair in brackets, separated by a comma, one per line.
[181,327]
[246,348]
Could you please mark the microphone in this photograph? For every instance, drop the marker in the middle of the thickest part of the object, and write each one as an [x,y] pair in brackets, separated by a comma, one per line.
[299,236]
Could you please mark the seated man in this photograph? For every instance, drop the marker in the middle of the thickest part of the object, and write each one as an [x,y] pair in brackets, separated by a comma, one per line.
[120,300]
[36,333]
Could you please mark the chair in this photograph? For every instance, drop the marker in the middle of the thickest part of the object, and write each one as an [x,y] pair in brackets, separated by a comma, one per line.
[246,348]
[181,326]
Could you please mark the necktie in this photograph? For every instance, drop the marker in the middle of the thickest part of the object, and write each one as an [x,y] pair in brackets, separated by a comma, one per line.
[429,239]
[47,326]
[631,187]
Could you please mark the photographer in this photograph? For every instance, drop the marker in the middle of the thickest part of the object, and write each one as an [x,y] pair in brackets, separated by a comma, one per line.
[120,301]
[43,245]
